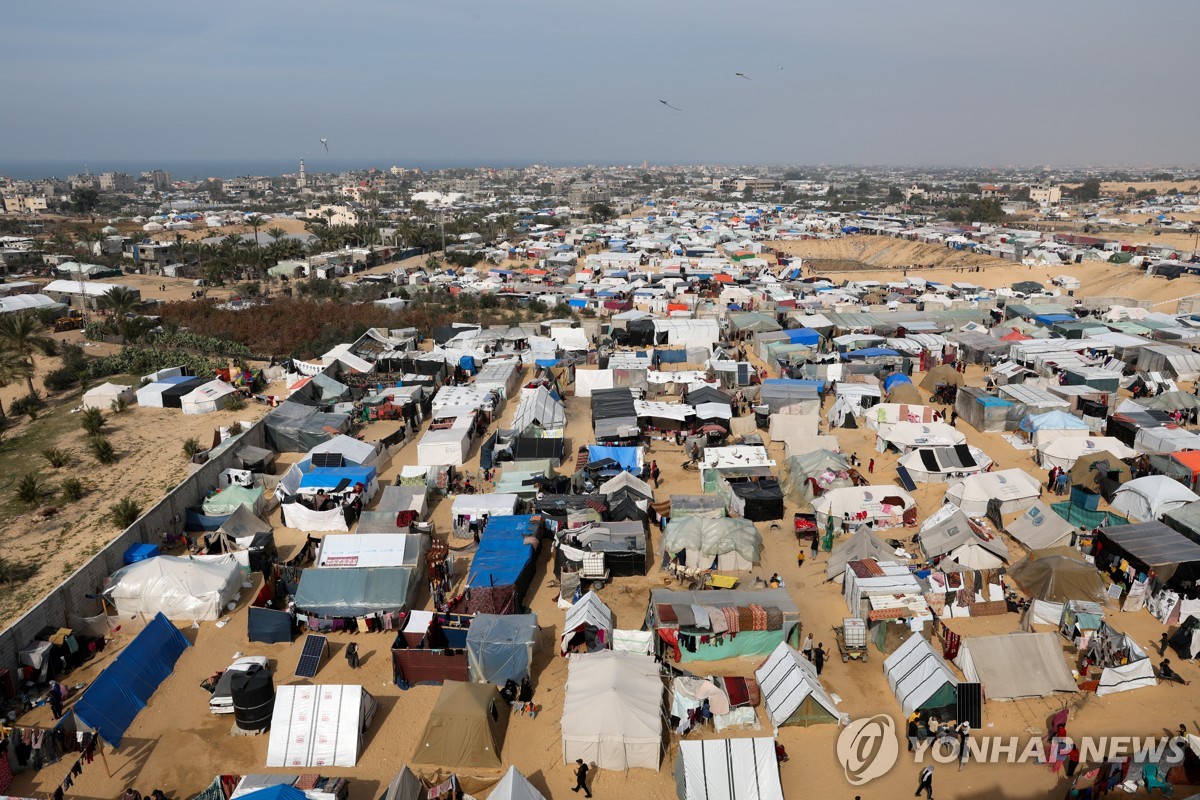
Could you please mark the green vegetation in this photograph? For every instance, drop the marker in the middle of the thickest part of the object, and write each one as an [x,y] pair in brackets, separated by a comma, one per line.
[72,489]
[92,421]
[102,450]
[124,512]
[191,446]
[23,334]
[31,489]
[56,457]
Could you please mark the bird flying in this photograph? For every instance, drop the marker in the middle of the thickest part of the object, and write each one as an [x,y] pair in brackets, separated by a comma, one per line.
[668,105]
[326,143]
[742,75]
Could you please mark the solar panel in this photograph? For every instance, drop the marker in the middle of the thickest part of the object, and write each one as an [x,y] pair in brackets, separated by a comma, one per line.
[905,479]
[326,459]
[314,650]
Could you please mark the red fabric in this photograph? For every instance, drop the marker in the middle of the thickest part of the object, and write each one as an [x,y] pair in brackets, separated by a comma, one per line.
[671,637]
[950,644]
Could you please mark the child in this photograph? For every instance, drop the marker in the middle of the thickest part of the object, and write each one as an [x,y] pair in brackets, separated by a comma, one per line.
[800,559]
[531,709]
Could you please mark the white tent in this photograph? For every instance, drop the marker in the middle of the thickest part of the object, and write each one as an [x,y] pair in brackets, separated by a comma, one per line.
[207,398]
[919,677]
[319,726]
[1135,674]
[793,426]
[350,449]
[587,380]
[1016,665]
[613,711]
[938,464]
[883,505]
[186,589]
[588,611]
[514,786]
[1146,499]
[1015,488]
[478,506]
[955,537]
[104,395]
[447,447]
[1066,451]
[151,395]
[727,769]
[350,550]
[905,436]
[790,686]
[1039,528]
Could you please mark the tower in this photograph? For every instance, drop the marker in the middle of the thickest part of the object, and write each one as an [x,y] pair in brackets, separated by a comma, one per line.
[301,182]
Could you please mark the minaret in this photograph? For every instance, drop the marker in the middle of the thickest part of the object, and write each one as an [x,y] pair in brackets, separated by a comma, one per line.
[301,182]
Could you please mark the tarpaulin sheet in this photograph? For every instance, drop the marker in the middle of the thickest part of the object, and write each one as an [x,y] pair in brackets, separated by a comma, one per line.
[629,458]
[329,477]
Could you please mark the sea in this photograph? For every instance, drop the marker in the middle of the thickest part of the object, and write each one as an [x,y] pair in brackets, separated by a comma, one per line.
[186,169]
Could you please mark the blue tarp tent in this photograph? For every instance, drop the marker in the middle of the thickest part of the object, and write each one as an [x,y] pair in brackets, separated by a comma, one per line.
[548,362]
[803,336]
[499,561]
[671,356]
[627,457]
[468,364]
[329,477]
[818,385]
[892,380]
[512,526]
[125,686]
[277,792]
[1050,319]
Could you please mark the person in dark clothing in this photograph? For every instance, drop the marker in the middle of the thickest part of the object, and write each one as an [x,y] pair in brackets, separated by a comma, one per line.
[352,655]
[526,694]
[1167,674]
[816,544]
[1072,760]
[819,657]
[913,731]
[953,419]
[581,772]
[1166,637]
[654,473]
[926,783]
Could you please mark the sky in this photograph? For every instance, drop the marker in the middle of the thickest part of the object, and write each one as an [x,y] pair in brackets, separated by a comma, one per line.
[496,82]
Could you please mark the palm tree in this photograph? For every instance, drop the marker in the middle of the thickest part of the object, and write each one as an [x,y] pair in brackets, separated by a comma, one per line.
[121,302]
[23,333]
[256,221]
[12,368]
[276,234]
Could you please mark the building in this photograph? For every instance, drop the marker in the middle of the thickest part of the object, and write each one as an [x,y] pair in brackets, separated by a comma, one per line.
[84,180]
[913,191]
[157,180]
[116,182]
[17,203]
[989,190]
[158,258]
[1044,195]
[78,293]
[745,183]
[336,216]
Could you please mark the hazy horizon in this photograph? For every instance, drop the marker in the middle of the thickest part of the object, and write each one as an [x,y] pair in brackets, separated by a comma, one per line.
[930,82]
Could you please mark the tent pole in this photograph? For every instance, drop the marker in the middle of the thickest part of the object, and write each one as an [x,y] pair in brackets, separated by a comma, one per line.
[104,758]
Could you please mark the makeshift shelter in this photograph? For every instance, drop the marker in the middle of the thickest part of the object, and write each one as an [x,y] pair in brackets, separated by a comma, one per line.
[352,550]
[728,769]
[446,447]
[358,591]
[500,647]
[1016,665]
[905,436]
[792,690]
[1148,498]
[1151,546]
[110,704]
[1186,639]
[514,786]
[234,497]
[1058,575]
[1039,528]
[589,624]
[1045,428]
[921,679]
[207,398]
[723,544]
[619,546]
[757,500]
[807,475]
[864,545]
[613,711]
[185,589]
[465,729]
[351,451]
[942,375]
[1016,489]
[959,539]
[294,427]
[688,625]
[1124,665]
[167,392]
[319,726]
[1101,471]
[1064,452]
[404,786]
[104,395]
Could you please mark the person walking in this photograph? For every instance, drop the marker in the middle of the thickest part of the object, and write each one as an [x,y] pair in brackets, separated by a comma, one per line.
[816,543]
[925,783]
[1072,760]
[871,466]
[953,419]
[352,655]
[654,473]
[1162,643]
[806,649]
[56,700]
[964,735]
[581,772]
[818,657]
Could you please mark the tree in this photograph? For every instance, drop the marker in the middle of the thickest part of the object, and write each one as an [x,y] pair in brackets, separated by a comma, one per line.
[84,200]
[121,302]
[12,368]
[276,234]
[1088,190]
[601,212]
[23,333]
[256,221]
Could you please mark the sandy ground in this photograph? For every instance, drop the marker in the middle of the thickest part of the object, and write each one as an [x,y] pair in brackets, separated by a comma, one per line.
[177,721]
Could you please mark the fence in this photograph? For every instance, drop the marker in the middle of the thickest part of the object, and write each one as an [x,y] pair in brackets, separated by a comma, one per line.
[71,597]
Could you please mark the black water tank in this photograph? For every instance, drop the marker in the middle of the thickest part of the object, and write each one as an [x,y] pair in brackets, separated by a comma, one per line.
[253,694]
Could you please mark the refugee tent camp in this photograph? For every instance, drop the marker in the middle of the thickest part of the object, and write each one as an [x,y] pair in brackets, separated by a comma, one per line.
[207,398]
[1064,452]
[465,729]
[319,726]
[1147,498]
[850,506]
[905,436]
[185,589]
[865,544]
[728,769]
[792,690]
[515,786]
[957,538]
[1016,665]
[929,464]
[589,623]
[1039,528]
[921,679]
[104,395]
[613,712]
[1016,489]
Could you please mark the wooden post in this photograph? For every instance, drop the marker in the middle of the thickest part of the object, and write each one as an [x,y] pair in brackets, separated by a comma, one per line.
[104,758]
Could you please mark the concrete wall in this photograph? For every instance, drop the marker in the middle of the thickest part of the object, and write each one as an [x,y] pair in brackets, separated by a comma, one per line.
[1105,303]
[167,516]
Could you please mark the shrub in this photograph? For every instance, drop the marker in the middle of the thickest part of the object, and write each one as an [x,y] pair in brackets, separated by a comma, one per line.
[72,489]
[124,512]
[29,404]
[119,405]
[102,450]
[61,379]
[236,403]
[92,420]
[56,457]
[235,429]
[191,446]
[30,489]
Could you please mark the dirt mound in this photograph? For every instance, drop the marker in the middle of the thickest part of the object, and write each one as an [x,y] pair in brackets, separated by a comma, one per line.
[884,252]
